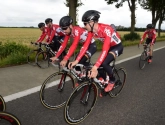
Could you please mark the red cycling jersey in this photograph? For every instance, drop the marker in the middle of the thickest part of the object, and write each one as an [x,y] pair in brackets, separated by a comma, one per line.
[55,30]
[79,35]
[43,35]
[151,35]
[107,35]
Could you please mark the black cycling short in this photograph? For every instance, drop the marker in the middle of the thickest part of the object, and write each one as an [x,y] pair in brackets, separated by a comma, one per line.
[91,49]
[117,49]
[56,42]
[148,41]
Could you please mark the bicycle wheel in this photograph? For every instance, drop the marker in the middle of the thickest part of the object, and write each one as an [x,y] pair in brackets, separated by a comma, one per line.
[80,103]
[120,78]
[2,104]
[31,57]
[42,59]
[8,119]
[56,89]
[143,59]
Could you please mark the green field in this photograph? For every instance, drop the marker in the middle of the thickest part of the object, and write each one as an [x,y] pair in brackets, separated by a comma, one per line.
[19,35]
[26,35]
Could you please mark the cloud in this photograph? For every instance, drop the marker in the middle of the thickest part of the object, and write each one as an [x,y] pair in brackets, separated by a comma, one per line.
[31,12]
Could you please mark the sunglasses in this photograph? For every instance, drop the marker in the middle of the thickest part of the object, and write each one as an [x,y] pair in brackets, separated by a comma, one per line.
[85,23]
[64,28]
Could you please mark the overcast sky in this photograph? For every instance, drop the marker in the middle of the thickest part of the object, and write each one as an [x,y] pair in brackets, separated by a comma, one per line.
[31,12]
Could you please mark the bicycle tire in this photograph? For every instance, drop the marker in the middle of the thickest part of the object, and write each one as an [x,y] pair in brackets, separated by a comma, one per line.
[51,98]
[42,59]
[143,60]
[120,79]
[2,104]
[71,113]
[31,57]
[8,119]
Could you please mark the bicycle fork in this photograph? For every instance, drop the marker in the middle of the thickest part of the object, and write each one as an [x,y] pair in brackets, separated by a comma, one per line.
[85,94]
[62,82]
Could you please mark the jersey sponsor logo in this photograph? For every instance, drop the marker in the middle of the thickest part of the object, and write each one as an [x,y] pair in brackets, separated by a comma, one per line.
[83,37]
[108,32]
[76,33]
[102,56]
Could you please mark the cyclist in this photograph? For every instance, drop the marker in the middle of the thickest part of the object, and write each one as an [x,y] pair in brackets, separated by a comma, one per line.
[112,46]
[56,35]
[45,32]
[151,32]
[79,35]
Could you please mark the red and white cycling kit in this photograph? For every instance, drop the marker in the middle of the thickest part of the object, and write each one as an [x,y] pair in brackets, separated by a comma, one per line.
[107,35]
[79,35]
[55,30]
[45,33]
[151,35]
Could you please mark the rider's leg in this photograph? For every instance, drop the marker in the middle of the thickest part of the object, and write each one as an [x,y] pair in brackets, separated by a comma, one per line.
[110,57]
[151,51]
[56,43]
[91,50]
[114,51]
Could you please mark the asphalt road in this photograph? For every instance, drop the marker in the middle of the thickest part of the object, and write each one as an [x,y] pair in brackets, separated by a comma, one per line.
[141,102]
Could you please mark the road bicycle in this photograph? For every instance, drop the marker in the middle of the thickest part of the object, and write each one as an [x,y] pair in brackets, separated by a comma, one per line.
[56,89]
[144,56]
[83,98]
[5,117]
[43,57]
[32,54]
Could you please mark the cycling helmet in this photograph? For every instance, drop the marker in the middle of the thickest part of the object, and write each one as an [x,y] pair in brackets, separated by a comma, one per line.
[150,26]
[65,21]
[48,20]
[91,15]
[41,25]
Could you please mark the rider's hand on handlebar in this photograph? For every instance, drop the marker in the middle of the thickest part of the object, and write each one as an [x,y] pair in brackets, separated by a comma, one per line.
[53,59]
[71,64]
[63,63]
[93,72]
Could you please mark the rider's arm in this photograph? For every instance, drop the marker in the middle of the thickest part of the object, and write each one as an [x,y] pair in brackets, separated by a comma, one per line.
[144,35]
[52,33]
[85,46]
[154,36]
[72,48]
[62,47]
[41,38]
[105,50]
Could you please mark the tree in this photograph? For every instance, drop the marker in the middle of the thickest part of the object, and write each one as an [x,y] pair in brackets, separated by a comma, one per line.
[154,7]
[73,5]
[132,7]
[162,17]
[157,9]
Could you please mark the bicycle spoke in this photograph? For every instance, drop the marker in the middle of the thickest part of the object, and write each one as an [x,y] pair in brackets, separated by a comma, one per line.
[80,103]
[142,61]
[42,59]
[56,90]
[31,57]
[120,77]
